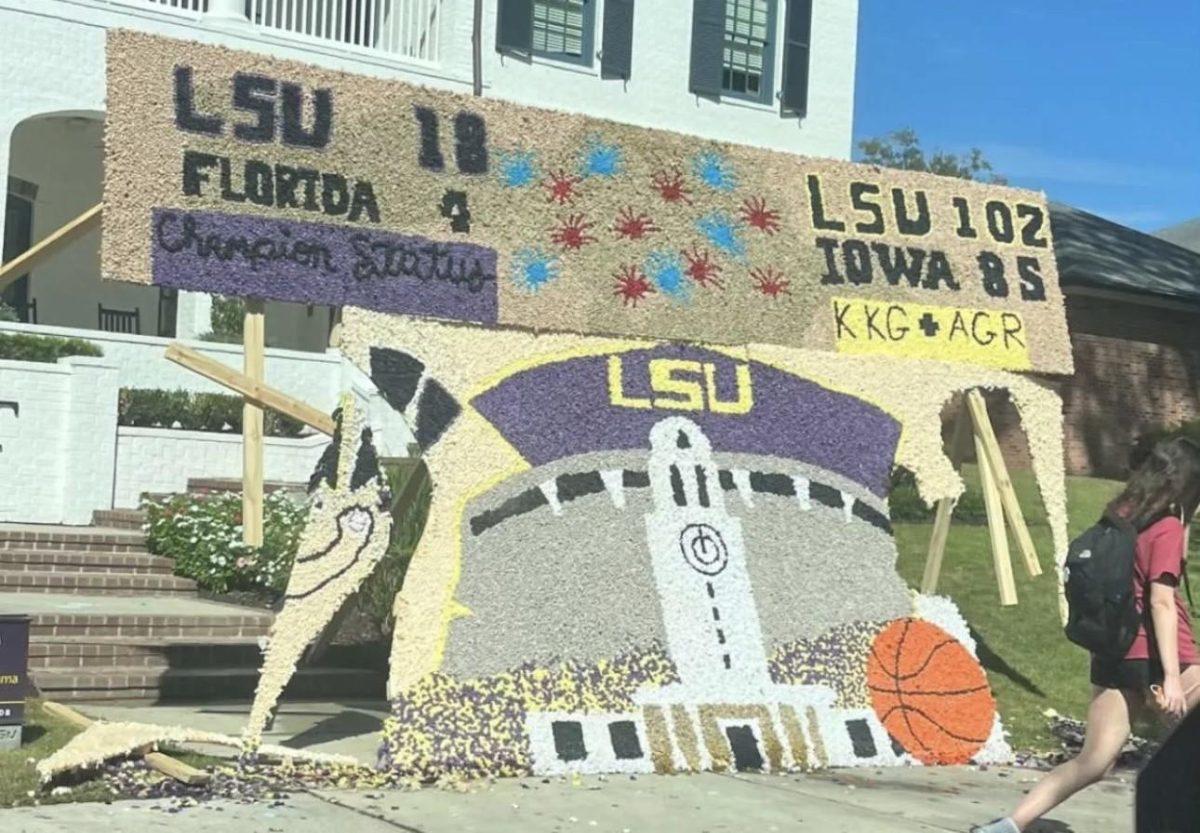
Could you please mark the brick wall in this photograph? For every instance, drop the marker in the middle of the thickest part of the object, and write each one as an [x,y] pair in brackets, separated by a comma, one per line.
[1137,368]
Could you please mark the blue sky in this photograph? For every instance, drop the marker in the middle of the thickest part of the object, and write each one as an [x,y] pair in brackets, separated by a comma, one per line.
[1095,102]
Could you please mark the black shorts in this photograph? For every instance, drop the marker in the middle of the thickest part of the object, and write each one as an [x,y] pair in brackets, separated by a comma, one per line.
[1137,674]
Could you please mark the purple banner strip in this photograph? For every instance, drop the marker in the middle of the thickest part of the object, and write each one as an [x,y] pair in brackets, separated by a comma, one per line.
[583,405]
[319,263]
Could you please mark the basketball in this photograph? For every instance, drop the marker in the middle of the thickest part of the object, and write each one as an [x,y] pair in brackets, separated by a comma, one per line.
[929,692]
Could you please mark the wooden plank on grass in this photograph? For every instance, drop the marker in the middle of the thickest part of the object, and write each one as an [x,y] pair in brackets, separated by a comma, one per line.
[996,529]
[50,245]
[262,394]
[1008,495]
[945,507]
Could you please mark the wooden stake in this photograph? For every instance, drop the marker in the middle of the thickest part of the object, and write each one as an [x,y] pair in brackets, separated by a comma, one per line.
[1008,495]
[996,529]
[945,508]
[50,244]
[253,341]
[157,761]
[263,395]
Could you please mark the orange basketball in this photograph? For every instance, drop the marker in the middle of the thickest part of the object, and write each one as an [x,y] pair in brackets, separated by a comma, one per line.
[929,692]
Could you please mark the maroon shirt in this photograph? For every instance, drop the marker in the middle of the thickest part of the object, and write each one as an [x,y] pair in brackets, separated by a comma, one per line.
[1160,556]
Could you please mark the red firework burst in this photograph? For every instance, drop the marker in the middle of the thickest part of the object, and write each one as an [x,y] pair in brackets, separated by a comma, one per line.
[572,233]
[631,286]
[670,187]
[633,226]
[702,269]
[756,213]
[561,187]
[770,282]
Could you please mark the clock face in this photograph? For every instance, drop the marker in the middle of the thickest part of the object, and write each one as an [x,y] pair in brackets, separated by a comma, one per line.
[703,549]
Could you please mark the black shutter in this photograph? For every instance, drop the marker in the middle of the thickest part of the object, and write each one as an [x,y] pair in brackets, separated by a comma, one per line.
[797,31]
[708,47]
[514,26]
[616,50]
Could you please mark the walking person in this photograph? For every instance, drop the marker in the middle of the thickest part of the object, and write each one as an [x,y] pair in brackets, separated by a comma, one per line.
[1161,668]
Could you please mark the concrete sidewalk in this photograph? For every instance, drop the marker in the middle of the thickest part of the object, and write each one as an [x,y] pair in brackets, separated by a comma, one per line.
[914,800]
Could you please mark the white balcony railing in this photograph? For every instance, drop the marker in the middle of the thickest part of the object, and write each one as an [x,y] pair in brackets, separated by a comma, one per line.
[400,28]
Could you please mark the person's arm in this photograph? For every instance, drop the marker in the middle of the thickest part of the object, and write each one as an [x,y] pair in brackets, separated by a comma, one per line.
[1166,623]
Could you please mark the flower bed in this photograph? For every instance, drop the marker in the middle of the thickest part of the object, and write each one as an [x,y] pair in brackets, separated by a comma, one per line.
[204,537]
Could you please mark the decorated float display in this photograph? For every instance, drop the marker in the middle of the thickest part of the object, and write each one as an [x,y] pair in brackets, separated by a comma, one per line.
[659,383]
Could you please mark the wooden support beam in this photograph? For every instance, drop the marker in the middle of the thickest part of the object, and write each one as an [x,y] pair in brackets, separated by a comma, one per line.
[258,391]
[253,344]
[158,761]
[50,244]
[999,470]
[959,439]
[997,532]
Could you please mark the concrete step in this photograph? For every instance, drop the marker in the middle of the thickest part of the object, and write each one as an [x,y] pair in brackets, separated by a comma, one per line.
[83,561]
[92,654]
[153,618]
[94,584]
[70,538]
[205,684]
[119,518]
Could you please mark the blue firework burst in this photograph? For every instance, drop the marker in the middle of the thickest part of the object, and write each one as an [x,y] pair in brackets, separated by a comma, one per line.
[715,170]
[533,268]
[602,158]
[724,233]
[666,269]
[518,168]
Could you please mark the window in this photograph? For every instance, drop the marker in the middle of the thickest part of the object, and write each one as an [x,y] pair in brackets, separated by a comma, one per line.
[749,52]
[562,29]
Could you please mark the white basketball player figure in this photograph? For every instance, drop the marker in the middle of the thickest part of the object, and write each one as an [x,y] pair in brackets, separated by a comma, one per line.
[699,560]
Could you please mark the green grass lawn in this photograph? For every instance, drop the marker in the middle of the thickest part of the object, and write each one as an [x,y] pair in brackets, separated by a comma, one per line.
[1031,665]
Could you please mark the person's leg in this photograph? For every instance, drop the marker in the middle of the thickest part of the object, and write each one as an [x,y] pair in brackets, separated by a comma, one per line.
[1108,724]
[1191,685]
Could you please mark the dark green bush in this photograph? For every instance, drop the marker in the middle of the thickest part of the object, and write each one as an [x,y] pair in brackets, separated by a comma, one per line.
[195,412]
[29,348]
[227,318]
[906,506]
[378,593]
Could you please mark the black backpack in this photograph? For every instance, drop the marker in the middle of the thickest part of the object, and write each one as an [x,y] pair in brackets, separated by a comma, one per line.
[1103,616]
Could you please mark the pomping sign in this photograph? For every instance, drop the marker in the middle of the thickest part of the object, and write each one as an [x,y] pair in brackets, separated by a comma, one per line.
[239,174]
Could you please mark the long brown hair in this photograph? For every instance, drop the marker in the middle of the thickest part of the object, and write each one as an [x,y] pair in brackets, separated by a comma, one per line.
[1166,483]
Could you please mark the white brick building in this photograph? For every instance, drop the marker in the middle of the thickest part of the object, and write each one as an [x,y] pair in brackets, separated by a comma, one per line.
[773,73]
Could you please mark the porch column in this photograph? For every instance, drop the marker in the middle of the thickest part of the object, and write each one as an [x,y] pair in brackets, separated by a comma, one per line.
[193,315]
[227,11]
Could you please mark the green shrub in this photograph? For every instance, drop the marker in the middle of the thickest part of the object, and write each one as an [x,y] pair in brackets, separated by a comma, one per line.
[204,537]
[1146,442]
[195,412]
[227,319]
[30,348]
[7,313]
[377,596]
[905,504]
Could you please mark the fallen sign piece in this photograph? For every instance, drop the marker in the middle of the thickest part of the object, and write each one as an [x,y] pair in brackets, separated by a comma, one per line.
[154,759]
[101,741]
[259,393]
